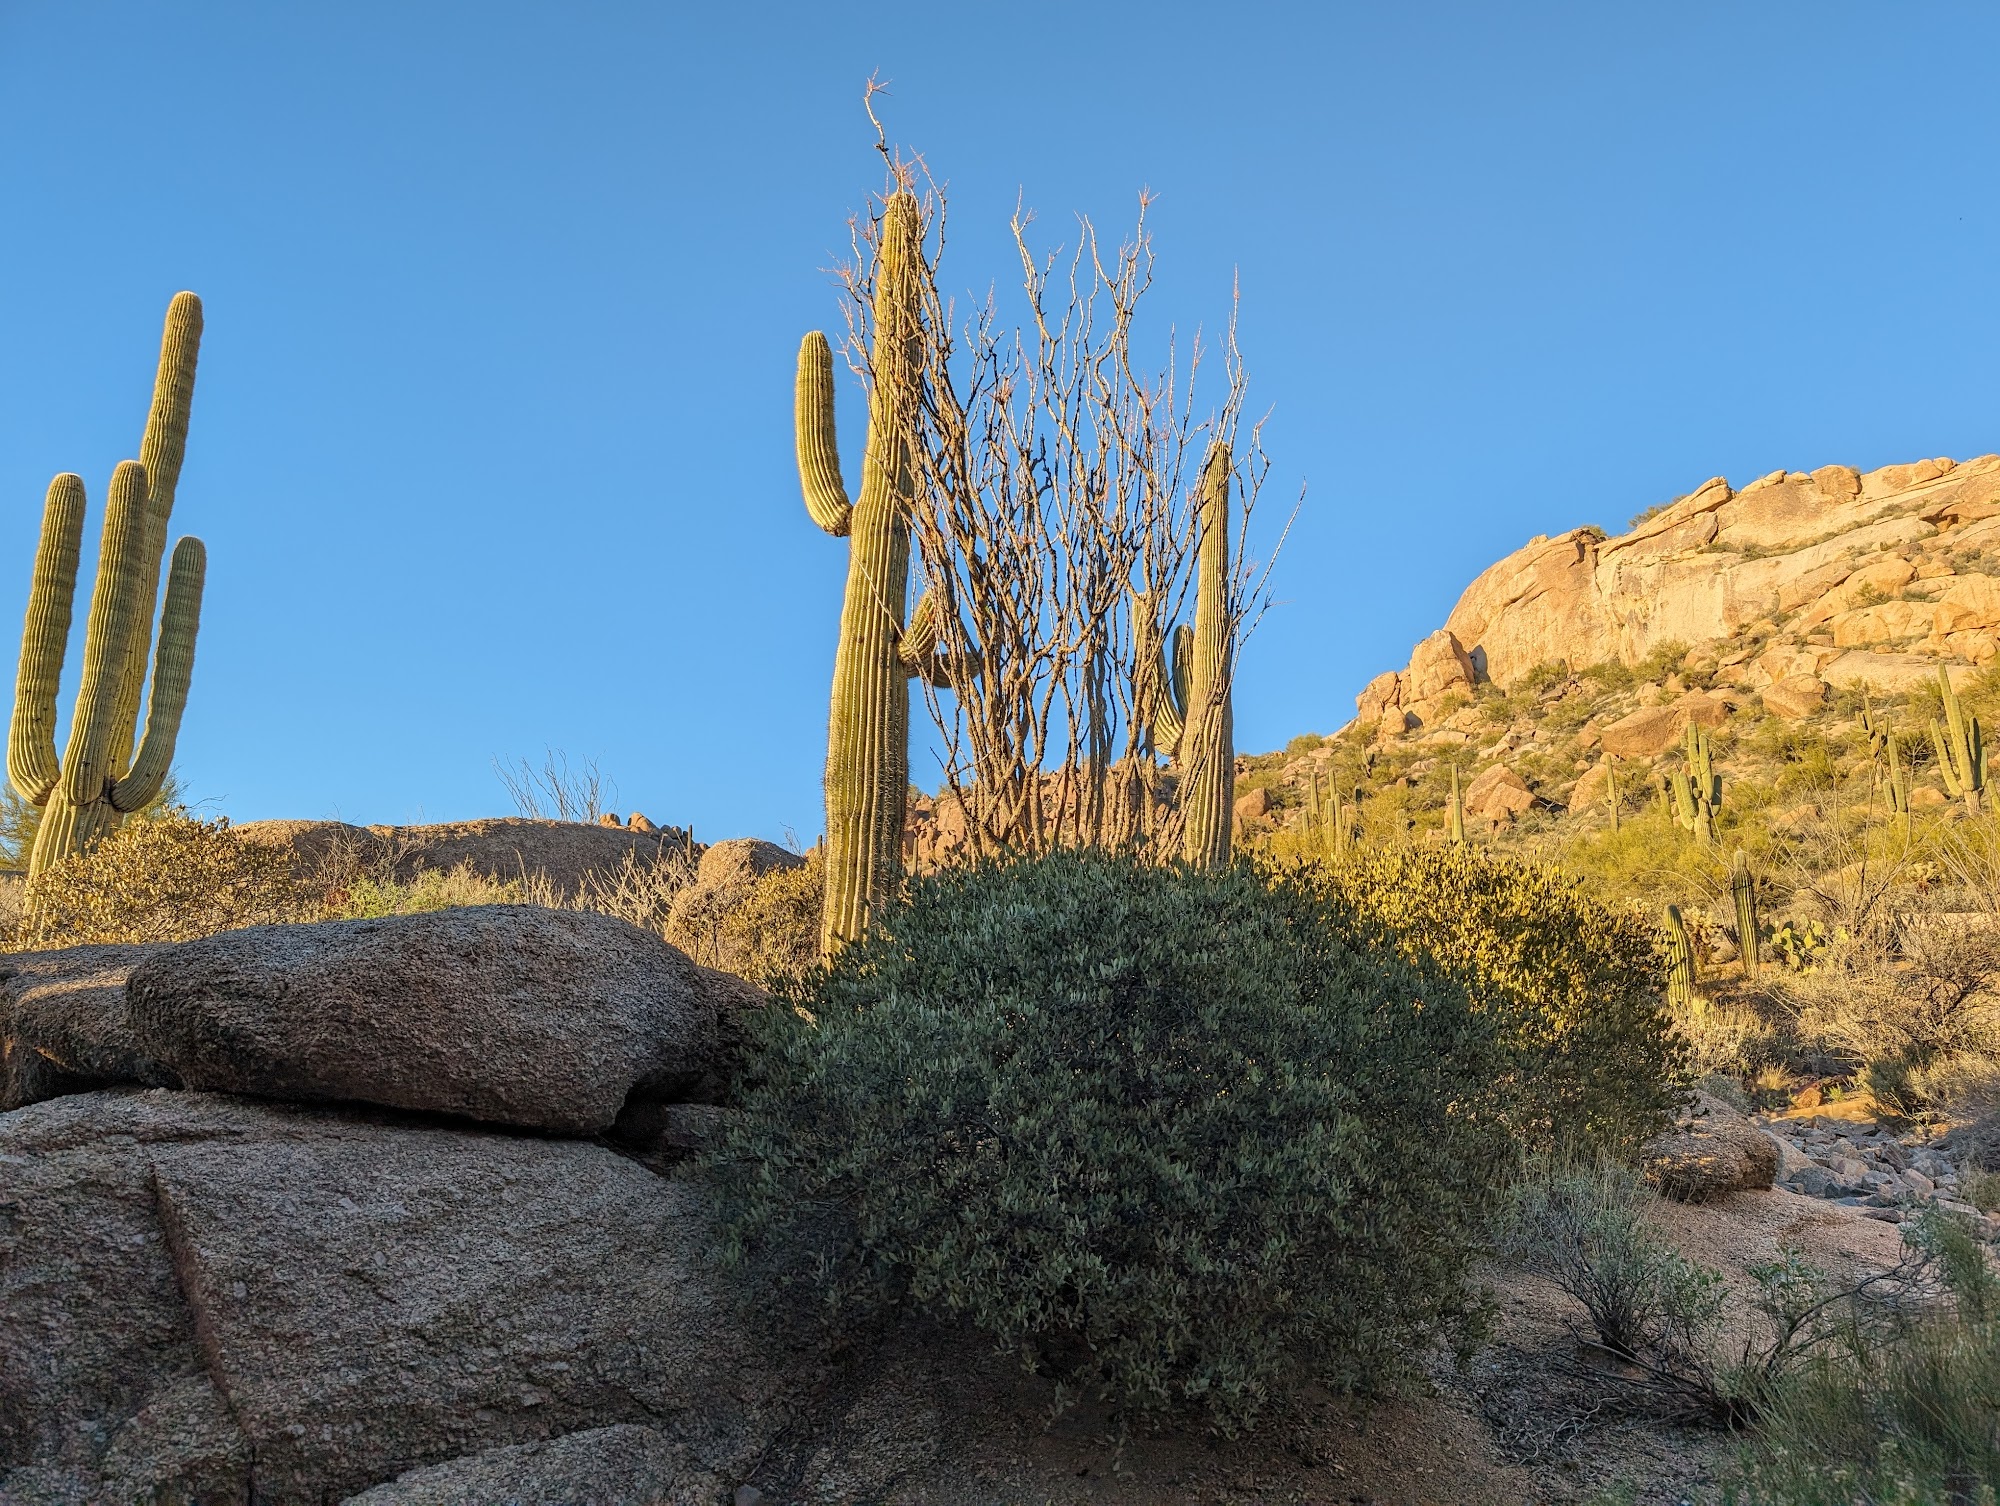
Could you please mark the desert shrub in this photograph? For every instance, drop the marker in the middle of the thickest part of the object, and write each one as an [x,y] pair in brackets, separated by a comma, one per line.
[1910,1419]
[1685,1347]
[773,935]
[1574,987]
[1181,1136]
[172,878]
[371,896]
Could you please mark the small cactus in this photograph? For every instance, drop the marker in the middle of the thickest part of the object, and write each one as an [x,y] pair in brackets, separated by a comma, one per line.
[1743,890]
[1961,752]
[100,779]
[1680,962]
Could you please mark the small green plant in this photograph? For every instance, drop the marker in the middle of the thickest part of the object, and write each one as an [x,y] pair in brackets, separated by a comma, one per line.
[1177,1134]
[371,896]
[772,937]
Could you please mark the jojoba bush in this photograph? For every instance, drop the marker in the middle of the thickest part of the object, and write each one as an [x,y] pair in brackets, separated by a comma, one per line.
[1573,987]
[1178,1135]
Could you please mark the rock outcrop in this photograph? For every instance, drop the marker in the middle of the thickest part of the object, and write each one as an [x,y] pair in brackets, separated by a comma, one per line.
[203,1298]
[64,1026]
[567,854]
[1712,1151]
[512,1014]
[1827,574]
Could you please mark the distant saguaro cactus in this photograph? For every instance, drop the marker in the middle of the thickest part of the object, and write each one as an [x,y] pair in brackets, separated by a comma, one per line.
[1961,753]
[1455,812]
[99,780]
[1743,889]
[1697,793]
[868,725]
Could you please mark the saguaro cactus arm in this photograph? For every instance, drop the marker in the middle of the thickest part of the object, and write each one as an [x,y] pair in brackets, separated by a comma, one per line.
[173,669]
[161,452]
[114,618]
[31,743]
[819,453]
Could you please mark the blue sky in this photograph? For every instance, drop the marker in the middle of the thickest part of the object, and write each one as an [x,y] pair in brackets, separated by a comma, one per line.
[492,446]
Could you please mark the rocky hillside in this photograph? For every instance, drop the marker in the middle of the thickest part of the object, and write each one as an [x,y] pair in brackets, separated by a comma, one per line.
[1829,576]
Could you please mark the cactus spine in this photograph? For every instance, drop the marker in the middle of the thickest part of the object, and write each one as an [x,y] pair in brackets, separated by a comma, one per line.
[1194,713]
[1455,812]
[868,725]
[1743,889]
[99,779]
[1961,752]
[1680,962]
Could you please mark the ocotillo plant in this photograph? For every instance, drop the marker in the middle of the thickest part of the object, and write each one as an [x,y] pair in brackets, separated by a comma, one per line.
[868,725]
[98,781]
[1455,812]
[1680,961]
[1196,707]
[1961,753]
[1743,890]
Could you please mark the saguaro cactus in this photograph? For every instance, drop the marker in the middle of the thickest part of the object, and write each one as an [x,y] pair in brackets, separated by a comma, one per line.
[1680,961]
[1743,889]
[89,791]
[1697,793]
[868,725]
[1961,753]
[1455,812]
[1196,706]
[1899,779]
[1611,789]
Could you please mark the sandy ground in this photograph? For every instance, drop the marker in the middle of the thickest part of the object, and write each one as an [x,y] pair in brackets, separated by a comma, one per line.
[1513,1428]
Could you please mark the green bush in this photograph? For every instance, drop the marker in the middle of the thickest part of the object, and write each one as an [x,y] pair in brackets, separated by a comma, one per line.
[1574,987]
[1177,1135]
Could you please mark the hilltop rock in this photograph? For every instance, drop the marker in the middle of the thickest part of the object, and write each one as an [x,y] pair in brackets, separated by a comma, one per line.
[512,1014]
[728,872]
[565,853]
[209,1299]
[1871,561]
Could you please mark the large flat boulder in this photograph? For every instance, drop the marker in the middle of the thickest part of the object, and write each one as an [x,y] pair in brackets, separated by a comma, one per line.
[512,1014]
[208,1299]
[63,1026]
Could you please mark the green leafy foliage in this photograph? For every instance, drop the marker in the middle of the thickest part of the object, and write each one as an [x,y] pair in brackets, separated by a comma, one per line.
[1573,985]
[1179,1135]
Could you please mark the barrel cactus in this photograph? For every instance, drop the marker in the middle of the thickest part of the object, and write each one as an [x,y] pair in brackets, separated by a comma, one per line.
[100,778]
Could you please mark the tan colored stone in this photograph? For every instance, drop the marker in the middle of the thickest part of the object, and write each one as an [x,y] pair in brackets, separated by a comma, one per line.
[1589,789]
[1795,697]
[1438,666]
[1838,482]
[1394,723]
[1702,710]
[1886,622]
[1498,794]
[1971,602]
[1253,805]
[1378,695]
[1893,673]
[1924,797]
[1644,733]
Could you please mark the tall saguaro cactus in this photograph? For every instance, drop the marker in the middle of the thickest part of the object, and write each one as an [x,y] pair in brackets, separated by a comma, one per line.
[1743,890]
[1198,703]
[868,725]
[1455,812]
[99,779]
[1680,961]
